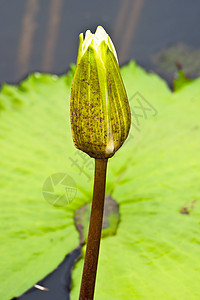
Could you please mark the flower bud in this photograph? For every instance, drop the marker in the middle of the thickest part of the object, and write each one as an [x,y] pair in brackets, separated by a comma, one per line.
[99,109]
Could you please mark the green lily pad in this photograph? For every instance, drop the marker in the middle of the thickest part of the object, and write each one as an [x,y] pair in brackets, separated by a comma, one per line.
[36,146]
[154,178]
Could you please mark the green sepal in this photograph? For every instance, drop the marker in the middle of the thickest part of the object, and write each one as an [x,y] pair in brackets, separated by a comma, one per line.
[80,51]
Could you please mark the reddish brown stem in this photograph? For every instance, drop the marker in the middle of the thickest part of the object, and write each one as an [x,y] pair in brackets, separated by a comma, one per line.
[94,234]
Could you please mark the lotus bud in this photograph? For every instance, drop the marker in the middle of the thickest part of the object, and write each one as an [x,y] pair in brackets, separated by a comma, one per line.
[99,108]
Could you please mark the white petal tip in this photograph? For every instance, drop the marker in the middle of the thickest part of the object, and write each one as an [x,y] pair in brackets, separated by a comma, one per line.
[110,147]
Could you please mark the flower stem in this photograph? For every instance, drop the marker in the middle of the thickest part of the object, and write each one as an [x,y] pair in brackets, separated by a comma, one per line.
[94,234]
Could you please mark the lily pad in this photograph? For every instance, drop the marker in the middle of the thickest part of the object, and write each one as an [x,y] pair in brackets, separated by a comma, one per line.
[35,144]
[182,54]
[154,177]
[180,80]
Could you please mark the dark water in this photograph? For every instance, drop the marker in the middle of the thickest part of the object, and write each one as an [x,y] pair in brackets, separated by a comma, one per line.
[42,36]
[58,282]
